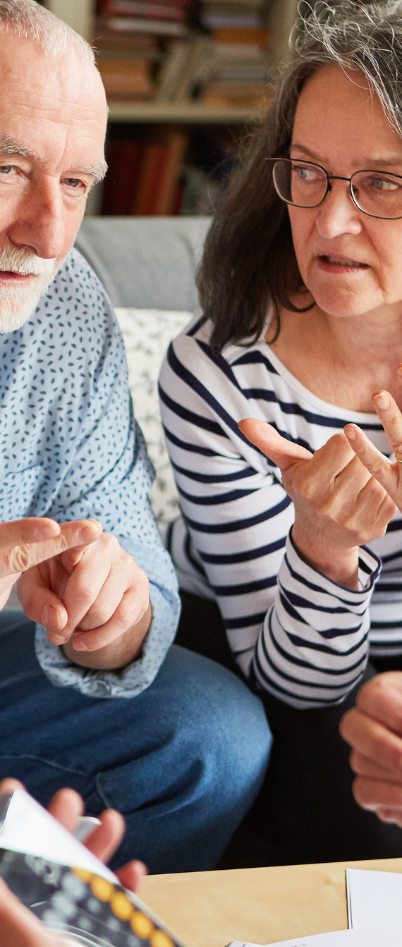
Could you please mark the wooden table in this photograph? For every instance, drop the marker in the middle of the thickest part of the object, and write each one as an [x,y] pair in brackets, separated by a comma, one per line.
[261,905]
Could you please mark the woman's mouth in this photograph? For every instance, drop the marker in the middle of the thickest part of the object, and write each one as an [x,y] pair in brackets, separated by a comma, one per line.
[340,264]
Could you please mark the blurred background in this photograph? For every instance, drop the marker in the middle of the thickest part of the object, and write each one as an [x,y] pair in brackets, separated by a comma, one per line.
[185,81]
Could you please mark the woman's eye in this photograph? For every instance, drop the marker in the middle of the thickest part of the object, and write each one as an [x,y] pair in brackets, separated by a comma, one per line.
[384,184]
[304,174]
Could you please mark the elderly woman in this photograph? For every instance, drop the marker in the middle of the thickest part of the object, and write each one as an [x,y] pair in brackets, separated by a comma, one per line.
[283,526]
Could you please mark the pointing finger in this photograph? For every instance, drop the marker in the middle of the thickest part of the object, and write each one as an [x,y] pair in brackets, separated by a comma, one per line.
[385,472]
[284,453]
[22,557]
[32,529]
[391,420]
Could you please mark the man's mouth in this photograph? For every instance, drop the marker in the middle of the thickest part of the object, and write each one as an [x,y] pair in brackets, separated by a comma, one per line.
[14,275]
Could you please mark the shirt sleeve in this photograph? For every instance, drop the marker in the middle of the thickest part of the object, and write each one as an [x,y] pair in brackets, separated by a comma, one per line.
[108,478]
[300,635]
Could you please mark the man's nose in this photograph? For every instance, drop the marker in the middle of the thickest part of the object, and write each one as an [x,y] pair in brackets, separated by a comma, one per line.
[40,222]
[338,214]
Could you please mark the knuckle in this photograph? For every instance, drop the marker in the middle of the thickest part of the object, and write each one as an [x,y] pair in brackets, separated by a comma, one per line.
[18,559]
[110,542]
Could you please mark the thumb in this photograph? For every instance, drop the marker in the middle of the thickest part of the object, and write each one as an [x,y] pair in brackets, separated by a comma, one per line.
[284,453]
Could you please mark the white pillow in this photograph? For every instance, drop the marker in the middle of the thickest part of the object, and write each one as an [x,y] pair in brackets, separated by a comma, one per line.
[147,334]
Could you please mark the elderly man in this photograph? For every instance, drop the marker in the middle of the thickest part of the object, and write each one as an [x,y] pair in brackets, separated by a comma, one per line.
[180,746]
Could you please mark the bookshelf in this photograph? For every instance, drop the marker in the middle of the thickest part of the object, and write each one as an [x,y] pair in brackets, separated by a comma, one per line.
[154,124]
[183,113]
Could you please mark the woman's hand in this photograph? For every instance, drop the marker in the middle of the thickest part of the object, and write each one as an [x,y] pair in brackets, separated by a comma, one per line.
[387,473]
[338,505]
[18,926]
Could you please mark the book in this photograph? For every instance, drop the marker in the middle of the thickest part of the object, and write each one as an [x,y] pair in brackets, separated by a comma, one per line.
[235,21]
[234,93]
[129,44]
[126,78]
[173,67]
[384,937]
[374,899]
[147,9]
[156,189]
[255,36]
[124,159]
[142,25]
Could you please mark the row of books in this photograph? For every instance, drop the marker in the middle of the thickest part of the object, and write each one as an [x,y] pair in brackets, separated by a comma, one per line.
[163,172]
[216,51]
[144,178]
[129,37]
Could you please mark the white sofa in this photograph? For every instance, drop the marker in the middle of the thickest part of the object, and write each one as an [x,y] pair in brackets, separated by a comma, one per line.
[147,265]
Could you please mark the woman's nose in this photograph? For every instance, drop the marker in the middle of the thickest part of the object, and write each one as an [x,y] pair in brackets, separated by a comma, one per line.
[338,214]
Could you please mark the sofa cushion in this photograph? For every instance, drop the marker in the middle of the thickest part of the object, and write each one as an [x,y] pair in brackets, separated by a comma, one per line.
[148,262]
[147,334]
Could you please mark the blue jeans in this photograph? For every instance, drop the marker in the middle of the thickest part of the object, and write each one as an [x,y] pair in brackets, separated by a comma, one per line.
[183,761]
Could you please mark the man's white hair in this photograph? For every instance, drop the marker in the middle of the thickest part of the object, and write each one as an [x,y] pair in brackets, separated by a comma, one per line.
[26,18]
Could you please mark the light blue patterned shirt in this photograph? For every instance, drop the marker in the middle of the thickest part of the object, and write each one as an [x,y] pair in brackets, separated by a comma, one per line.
[70,449]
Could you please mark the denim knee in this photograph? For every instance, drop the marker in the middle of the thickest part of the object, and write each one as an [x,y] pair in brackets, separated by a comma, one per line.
[205,746]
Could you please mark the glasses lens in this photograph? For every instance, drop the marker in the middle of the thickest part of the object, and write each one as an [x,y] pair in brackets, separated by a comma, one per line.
[378,193]
[299,182]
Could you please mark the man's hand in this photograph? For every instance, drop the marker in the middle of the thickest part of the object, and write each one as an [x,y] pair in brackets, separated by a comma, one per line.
[18,926]
[374,730]
[27,542]
[338,505]
[94,601]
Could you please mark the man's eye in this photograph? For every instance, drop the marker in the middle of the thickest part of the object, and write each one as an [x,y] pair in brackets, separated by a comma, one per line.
[74,182]
[6,168]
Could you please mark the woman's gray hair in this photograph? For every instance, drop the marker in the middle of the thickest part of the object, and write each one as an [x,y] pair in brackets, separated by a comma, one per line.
[249,258]
[353,36]
[26,18]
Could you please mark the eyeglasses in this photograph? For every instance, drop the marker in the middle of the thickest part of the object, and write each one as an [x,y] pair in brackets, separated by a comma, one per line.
[305,184]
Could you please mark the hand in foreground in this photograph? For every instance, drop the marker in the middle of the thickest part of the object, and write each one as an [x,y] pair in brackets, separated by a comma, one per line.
[90,600]
[388,474]
[27,542]
[374,730]
[338,505]
[18,926]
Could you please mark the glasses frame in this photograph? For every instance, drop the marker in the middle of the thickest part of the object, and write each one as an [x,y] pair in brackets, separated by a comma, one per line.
[333,177]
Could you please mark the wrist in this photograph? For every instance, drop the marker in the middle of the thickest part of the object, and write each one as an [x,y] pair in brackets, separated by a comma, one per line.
[338,565]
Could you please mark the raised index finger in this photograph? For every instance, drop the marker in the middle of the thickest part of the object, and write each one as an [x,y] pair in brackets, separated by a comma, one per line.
[391,420]
[32,529]
[20,557]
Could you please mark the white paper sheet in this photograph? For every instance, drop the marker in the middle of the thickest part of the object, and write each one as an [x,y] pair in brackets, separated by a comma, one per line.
[374,899]
[29,828]
[351,938]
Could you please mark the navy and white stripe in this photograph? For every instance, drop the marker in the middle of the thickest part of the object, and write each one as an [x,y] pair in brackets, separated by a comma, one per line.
[306,637]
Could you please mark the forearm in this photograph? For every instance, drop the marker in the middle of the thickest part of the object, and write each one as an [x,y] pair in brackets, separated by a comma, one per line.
[116,655]
[339,565]
[312,649]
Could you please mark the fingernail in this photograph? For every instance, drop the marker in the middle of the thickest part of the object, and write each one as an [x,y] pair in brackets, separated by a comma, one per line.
[58,639]
[50,617]
[350,433]
[80,646]
[382,400]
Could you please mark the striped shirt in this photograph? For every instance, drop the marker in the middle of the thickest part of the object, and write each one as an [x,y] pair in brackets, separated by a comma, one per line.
[304,637]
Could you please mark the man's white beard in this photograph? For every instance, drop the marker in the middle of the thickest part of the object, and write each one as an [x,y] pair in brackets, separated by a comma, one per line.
[17,303]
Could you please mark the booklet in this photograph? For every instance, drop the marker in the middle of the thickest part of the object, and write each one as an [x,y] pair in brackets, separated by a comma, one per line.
[66,886]
[351,938]
[374,898]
